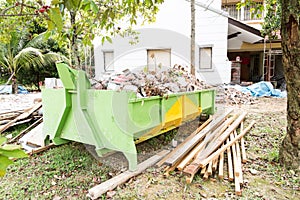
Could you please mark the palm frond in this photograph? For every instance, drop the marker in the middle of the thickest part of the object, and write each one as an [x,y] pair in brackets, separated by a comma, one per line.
[38,42]
[29,57]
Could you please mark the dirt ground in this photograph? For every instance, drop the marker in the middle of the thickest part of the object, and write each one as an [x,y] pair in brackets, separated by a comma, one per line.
[263,177]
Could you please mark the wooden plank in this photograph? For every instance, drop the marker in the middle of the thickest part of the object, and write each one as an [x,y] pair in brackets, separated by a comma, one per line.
[112,183]
[25,130]
[244,156]
[181,152]
[229,162]
[215,164]
[222,149]
[214,145]
[161,162]
[198,161]
[221,166]
[236,168]
[239,159]
[40,149]
[209,168]
[238,191]
[34,137]
[22,116]
[190,156]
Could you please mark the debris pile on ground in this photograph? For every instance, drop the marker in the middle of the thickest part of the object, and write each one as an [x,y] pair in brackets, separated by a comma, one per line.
[27,109]
[153,83]
[236,97]
[207,147]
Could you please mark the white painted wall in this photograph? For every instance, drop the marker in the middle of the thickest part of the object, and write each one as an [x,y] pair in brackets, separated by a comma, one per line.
[172,31]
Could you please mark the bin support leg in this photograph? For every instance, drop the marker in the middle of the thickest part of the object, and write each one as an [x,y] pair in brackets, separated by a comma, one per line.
[132,160]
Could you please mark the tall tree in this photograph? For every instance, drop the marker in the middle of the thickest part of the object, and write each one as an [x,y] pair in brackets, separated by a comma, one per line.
[77,22]
[289,154]
[193,36]
[82,20]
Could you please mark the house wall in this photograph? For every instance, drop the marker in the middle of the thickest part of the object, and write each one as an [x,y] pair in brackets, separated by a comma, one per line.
[172,31]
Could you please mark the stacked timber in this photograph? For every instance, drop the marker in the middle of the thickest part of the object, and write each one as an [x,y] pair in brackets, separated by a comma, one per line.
[205,150]
[16,117]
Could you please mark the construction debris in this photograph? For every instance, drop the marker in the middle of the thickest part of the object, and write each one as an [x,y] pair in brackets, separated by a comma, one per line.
[206,149]
[153,83]
[236,97]
[18,117]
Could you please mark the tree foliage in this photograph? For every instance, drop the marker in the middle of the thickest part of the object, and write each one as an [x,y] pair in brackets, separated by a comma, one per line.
[272,10]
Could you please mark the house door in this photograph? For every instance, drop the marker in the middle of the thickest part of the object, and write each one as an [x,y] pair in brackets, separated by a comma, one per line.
[158,57]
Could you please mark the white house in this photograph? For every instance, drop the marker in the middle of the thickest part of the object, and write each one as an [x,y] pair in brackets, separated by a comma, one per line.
[167,42]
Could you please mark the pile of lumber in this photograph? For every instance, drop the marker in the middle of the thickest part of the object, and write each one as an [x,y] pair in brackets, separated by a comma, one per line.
[31,138]
[13,118]
[205,150]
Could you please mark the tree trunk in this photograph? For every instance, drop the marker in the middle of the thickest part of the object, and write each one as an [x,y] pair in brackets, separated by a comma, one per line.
[289,154]
[14,85]
[193,24]
[75,57]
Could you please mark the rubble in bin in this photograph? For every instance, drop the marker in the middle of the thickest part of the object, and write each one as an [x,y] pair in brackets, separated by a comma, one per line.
[236,97]
[153,83]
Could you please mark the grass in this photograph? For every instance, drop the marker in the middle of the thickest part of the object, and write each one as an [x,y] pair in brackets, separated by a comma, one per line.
[65,171]
[68,171]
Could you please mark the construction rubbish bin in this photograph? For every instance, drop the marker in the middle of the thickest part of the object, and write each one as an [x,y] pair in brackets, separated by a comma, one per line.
[114,120]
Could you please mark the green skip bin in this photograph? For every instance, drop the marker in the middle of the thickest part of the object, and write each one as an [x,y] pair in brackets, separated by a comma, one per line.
[114,120]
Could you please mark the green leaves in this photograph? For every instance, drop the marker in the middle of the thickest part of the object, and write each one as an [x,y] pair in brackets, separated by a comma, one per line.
[56,21]
[8,152]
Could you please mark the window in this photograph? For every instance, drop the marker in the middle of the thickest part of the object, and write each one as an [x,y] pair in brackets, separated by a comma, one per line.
[205,58]
[108,57]
[158,57]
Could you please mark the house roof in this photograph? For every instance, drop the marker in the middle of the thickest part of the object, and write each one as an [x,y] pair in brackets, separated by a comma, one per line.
[241,31]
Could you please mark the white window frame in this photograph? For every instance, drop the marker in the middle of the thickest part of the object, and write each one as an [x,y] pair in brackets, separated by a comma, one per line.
[210,67]
[108,66]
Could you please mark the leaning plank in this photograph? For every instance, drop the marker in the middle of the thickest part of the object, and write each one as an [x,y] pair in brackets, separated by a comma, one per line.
[209,168]
[244,156]
[110,184]
[22,116]
[239,159]
[229,162]
[222,149]
[221,166]
[161,162]
[190,156]
[196,164]
[236,167]
[215,164]
[180,153]
[25,130]
[214,145]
